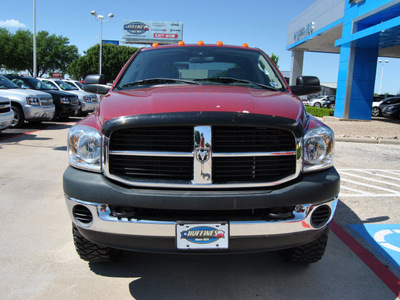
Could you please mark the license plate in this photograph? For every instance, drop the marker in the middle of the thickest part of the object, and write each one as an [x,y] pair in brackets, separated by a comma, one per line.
[202,235]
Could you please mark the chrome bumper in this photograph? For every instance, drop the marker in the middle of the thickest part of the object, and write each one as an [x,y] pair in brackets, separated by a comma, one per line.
[89,107]
[6,119]
[105,223]
[39,112]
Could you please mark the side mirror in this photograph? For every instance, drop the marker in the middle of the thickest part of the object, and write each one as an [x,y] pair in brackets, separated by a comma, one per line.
[306,85]
[96,84]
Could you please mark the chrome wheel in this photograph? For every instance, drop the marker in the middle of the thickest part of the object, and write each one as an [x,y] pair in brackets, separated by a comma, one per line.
[376,111]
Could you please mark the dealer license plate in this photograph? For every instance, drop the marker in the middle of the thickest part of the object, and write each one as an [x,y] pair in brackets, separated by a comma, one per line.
[202,235]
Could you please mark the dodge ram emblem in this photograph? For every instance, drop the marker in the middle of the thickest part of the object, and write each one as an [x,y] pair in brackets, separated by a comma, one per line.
[202,154]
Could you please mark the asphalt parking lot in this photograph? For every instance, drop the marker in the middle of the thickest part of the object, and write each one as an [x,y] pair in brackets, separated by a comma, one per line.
[39,261]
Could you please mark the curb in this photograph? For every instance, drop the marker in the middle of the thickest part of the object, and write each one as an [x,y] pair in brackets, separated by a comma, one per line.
[368,140]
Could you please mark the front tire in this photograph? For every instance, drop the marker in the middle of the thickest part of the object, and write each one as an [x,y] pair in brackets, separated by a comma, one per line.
[90,251]
[376,112]
[19,118]
[317,104]
[308,253]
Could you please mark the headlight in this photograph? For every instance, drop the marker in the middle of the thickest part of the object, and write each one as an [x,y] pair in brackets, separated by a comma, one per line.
[65,100]
[84,148]
[388,108]
[32,101]
[318,149]
[87,99]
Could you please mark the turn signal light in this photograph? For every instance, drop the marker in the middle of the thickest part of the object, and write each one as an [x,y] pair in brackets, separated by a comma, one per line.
[181,43]
[155,45]
[219,43]
[200,43]
[245,45]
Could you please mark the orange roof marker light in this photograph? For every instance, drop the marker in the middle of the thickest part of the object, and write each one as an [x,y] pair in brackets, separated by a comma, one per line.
[245,45]
[219,43]
[155,45]
[200,43]
[181,43]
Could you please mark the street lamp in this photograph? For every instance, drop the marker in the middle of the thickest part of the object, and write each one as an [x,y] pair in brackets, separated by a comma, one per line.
[383,65]
[101,19]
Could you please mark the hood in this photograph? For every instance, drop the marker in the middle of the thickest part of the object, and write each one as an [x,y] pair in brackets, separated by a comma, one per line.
[59,93]
[184,98]
[18,93]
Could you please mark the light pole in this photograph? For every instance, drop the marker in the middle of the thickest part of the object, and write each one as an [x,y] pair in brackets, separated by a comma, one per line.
[101,19]
[34,40]
[383,65]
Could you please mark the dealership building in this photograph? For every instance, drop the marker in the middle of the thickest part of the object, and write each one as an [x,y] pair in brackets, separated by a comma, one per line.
[359,31]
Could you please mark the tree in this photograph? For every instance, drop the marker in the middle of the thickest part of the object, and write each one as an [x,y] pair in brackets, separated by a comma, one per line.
[53,52]
[275,59]
[113,59]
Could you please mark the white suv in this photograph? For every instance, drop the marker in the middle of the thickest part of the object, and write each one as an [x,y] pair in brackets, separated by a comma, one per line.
[6,114]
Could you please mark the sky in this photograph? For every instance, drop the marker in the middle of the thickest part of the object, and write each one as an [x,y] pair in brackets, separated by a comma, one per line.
[260,23]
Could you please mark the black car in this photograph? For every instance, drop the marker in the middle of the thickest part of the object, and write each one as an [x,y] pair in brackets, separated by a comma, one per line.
[329,102]
[389,101]
[66,104]
[392,111]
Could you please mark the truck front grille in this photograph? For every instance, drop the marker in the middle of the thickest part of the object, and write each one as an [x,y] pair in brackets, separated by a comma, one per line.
[168,156]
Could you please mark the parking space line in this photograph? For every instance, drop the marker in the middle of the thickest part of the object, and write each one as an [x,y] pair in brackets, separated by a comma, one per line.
[377,180]
[369,179]
[369,185]
[376,174]
[353,190]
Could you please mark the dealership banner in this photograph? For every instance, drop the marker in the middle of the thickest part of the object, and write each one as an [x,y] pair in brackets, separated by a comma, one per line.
[148,32]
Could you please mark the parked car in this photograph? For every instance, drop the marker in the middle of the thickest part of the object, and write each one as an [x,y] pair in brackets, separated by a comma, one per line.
[321,101]
[27,104]
[6,114]
[329,102]
[201,149]
[67,104]
[389,101]
[88,101]
[376,102]
[392,111]
[79,85]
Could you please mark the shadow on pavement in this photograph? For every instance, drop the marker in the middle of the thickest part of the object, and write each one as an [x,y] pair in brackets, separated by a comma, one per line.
[170,276]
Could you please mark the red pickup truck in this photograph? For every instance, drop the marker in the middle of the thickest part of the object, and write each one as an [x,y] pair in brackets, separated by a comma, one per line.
[201,149]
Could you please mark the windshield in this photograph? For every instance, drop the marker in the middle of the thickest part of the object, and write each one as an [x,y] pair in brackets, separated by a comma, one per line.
[5,83]
[78,84]
[32,83]
[66,86]
[201,65]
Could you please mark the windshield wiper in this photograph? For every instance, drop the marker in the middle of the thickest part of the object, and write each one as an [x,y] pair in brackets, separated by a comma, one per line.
[235,80]
[151,81]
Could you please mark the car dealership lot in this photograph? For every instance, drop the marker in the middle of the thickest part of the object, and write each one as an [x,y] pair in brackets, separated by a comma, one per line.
[39,261]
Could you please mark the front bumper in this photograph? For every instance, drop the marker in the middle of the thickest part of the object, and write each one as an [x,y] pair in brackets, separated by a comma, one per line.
[89,107]
[68,110]
[6,119]
[38,113]
[307,194]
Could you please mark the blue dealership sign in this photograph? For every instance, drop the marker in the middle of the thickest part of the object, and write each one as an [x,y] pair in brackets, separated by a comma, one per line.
[111,42]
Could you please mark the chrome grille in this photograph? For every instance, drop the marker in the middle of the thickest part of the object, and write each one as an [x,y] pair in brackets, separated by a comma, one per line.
[5,107]
[46,102]
[74,101]
[167,156]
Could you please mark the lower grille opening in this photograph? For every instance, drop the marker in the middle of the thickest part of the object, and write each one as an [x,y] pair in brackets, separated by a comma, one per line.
[320,216]
[82,214]
[268,214]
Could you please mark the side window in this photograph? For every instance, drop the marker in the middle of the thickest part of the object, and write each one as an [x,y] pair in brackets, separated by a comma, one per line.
[20,83]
